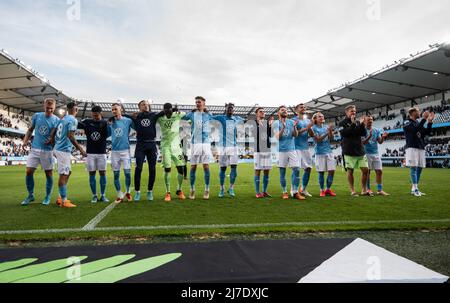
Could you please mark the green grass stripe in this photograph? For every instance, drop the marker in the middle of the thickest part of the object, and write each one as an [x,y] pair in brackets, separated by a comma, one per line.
[18,263]
[34,270]
[116,274]
[60,276]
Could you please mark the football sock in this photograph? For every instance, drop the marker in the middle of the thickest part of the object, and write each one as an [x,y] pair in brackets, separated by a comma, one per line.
[329,181]
[283,179]
[257,181]
[63,192]
[305,180]
[265,183]
[207,178]
[103,184]
[322,180]
[222,176]
[233,176]
[295,179]
[180,181]
[192,178]
[48,186]
[93,184]
[127,179]
[117,181]
[167,181]
[29,181]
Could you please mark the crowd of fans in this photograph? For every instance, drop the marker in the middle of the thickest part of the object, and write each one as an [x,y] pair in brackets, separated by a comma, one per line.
[438,147]
[12,147]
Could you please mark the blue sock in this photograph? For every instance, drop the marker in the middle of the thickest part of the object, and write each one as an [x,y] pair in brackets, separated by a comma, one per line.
[368,182]
[127,179]
[48,186]
[419,173]
[103,184]
[380,187]
[329,181]
[413,174]
[93,184]
[257,184]
[322,180]
[207,178]
[63,192]
[283,179]
[192,178]
[265,183]
[295,179]
[233,176]
[305,181]
[29,181]
[117,181]
[222,176]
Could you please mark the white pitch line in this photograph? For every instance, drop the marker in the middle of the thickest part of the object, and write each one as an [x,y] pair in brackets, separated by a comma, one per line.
[94,222]
[219,226]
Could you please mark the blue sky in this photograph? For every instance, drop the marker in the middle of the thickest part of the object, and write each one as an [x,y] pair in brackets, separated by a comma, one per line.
[249,51]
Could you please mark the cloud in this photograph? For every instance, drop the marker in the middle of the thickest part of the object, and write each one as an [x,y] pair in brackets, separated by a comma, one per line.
[253,51]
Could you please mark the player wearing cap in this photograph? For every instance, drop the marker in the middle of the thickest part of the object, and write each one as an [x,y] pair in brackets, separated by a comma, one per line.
[41,150]
[96,131]
[171,149]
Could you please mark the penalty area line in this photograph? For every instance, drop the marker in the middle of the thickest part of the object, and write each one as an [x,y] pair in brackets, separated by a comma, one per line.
[90,227]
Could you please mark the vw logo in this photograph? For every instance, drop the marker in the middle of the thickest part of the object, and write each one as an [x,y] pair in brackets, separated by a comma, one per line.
[168,124]
[118,132]
[43,130]
[145,123]
[95,136]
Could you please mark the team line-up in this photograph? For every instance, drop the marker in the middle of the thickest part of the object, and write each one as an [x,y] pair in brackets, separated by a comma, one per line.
[55,138]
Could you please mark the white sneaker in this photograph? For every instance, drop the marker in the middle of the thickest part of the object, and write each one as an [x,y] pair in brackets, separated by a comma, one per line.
[206,195]
[192,195]
[417,193]
[422,194]
[306,194]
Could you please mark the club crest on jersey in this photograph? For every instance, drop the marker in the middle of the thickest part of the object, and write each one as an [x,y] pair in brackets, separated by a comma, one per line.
[168,124]
[95,136]
[43,130]
[118,132]
[146,123]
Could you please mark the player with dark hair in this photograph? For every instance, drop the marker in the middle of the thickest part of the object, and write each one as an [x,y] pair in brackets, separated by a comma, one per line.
[64,143]
[171,149]
[262,132]
[96,131]
[145,125]
[285,131]
[228,150]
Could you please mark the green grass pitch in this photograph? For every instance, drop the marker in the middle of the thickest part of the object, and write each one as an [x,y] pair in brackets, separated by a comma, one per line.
[399,211]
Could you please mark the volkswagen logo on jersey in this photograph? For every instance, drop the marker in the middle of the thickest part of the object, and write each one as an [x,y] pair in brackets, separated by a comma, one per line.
[95,136]
[118,132]
[146,123]
[43,130]
[168,124]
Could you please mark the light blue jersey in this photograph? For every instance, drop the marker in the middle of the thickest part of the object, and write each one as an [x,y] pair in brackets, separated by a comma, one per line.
[301,142]
[119,132]
[200,128]
[372,146]
[62,141]
[43,126]
[286,142]
[228,136]
[324,147]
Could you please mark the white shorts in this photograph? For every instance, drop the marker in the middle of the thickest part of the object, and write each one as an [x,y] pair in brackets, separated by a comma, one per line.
[96,162]
[64,162]
[38,157]
[228,156]
[374,162]
[288,159]
[325,163]
[263,161]
[304,156]
[201,153]
[415,158]
[120,158]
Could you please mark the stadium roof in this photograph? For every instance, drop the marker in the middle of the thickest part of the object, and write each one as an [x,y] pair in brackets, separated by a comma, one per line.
[423,74]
